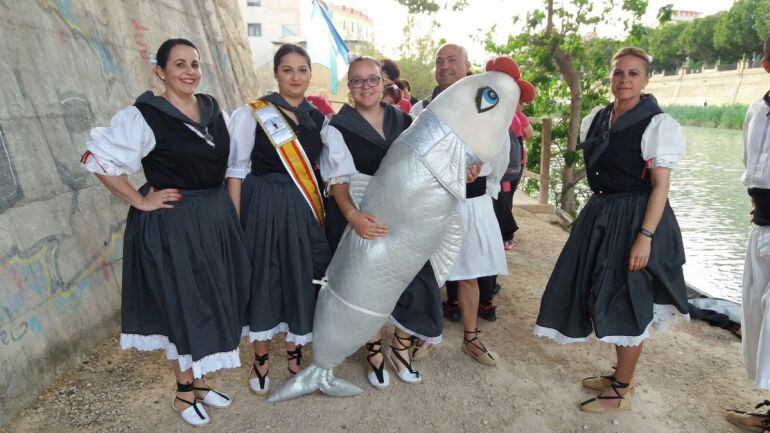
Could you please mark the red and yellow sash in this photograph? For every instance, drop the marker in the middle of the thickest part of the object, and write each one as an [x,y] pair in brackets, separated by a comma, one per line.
[291,153]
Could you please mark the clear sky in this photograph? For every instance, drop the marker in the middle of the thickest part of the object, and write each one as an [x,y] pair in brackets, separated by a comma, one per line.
[466,26]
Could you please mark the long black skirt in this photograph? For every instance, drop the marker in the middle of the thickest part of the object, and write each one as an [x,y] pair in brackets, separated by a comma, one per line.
[418,311]
[591,289]
[185,281]
[288,250]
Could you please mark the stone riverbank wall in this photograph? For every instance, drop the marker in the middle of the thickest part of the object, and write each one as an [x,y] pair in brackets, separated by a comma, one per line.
[66,66]
[743,85]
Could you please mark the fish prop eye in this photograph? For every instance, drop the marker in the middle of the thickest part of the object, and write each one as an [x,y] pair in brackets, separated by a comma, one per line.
[486,99]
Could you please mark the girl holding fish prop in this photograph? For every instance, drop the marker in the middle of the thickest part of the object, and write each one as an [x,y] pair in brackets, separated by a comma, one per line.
[276,141]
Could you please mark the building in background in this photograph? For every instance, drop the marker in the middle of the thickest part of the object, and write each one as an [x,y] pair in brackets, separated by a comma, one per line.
[355,27]
[683,15]
[270,23]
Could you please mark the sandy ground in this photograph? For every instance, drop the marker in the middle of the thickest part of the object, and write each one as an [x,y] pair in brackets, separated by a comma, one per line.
[686,377]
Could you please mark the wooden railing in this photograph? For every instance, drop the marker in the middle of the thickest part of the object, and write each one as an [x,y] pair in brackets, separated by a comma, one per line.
[544,177]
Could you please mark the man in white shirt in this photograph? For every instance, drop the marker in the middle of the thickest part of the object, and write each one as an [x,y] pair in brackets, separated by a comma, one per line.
[482,256]
[756,270]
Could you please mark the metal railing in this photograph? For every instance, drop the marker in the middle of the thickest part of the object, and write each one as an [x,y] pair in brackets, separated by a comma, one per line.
[544,177]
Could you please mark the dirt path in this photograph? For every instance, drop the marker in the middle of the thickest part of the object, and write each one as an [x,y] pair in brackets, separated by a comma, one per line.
[686,378]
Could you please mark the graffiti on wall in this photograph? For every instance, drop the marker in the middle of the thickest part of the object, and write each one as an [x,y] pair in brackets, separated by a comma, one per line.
[141,44]
[107,61]
[30,277]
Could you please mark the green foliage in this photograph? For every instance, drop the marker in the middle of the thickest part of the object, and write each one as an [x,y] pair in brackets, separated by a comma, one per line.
[697,39]
[665,47]
[665,13]
[430,6]
[366,48]
[420,6]
[737,31]
[417,58]
[712,116]
[725,37]
[533,50]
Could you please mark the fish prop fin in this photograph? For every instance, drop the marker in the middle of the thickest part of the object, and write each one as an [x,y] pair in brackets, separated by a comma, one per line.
[442,152]
[312,379]
[442,260]
[357,188]
[337,387]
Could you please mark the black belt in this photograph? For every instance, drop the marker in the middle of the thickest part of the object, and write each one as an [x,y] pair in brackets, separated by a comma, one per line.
[761,199]
[477,188]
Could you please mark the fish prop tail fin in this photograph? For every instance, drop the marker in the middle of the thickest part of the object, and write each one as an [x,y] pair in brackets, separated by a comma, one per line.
[310,380]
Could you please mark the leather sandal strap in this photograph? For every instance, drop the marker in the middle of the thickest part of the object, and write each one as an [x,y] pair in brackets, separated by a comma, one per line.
[401,341]
[211,390]
[261,359]
[374,349]
[407,365]
[184,387]
[475,342]
[191,404]
[295,354]
[615,386]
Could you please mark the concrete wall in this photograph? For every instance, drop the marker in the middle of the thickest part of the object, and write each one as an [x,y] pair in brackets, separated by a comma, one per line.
[740,86]
[68,65]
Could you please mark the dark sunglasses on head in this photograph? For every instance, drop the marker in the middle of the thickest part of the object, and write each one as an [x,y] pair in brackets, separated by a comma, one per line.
[359,82]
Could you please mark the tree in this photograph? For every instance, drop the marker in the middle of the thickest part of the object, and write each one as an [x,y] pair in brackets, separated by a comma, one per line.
[666,13]
[567,70]
[572,73]
[697,39]
[429,6]
[666,47]
[416,63]
[742,30]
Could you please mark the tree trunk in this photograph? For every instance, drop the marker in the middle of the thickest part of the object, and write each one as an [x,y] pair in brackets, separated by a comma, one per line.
[569,177]
[566,66]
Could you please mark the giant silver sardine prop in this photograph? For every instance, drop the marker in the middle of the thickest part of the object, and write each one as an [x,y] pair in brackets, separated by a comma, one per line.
[415,193]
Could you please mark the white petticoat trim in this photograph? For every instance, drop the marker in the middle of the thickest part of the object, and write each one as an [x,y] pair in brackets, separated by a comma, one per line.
[429,340]
[237,172]
[658,162]
[203,366]
[283,327]
[662,317]
[104,166]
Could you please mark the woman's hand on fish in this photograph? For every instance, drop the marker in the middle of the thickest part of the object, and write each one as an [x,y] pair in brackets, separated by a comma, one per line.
[367,225]
[156,199]
[640,253]
[472,173]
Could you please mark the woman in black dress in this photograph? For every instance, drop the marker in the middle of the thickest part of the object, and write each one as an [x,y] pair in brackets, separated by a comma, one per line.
[185,269]
[276,143]
[620,271]
[368,128]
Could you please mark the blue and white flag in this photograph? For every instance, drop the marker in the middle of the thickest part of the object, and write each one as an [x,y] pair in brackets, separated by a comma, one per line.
[325,45]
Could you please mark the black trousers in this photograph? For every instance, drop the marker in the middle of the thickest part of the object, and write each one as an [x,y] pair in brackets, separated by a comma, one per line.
[503,207]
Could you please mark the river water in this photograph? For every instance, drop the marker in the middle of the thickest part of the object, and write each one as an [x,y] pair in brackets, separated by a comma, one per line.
[712,207]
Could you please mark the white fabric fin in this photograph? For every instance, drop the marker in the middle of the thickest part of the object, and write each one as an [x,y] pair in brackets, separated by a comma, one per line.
[444,258]
[358,184]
